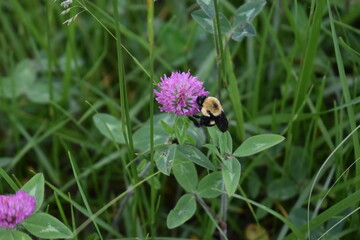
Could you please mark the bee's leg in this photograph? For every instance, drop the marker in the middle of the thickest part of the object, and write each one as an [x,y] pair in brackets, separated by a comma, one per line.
[196,123]
[210,113]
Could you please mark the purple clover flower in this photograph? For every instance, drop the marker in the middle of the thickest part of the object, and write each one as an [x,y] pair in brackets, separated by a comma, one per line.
[15,208]
[178,93]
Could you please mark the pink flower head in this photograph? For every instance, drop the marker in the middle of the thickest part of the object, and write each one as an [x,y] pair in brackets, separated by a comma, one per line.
[15,208]
[178,93]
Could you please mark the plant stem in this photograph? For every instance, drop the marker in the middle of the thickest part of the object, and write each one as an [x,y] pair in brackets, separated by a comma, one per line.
[150,26]
[218,221]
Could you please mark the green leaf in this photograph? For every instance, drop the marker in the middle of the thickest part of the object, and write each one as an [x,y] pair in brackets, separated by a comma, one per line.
[9,234]
[164,157]
[254,185]
[189,139]
[4,161]
[154,182]
[225,143]
[167,128]
[185,208]
[109,126]
[231,175]
[299,163]
[208,7]
[222,140]
[185,174]
[210,186]
[224,24]
[35,187]
[197,133]
[244,30]
[189,152]
[40,93]
[203,20]
[21,79]
[261,213]
[282,189]
[43,225]
[207,23]
[181,126]
[257,144]
[213,149]
[248,11]
[142,135]
[214,135]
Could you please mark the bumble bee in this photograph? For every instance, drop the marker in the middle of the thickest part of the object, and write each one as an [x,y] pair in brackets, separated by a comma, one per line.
[213,113]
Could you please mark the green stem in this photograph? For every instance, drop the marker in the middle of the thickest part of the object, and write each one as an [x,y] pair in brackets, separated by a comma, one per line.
[150,23]
[125,119]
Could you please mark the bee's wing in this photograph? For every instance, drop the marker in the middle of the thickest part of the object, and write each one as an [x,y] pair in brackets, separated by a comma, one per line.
[222,122]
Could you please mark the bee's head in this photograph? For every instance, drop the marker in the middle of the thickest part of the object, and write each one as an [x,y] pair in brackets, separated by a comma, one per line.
[200,100]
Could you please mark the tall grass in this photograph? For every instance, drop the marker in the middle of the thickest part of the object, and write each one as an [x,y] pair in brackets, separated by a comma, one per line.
[297,77]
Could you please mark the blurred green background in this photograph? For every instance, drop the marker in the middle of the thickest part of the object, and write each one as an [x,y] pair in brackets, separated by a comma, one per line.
[298,77]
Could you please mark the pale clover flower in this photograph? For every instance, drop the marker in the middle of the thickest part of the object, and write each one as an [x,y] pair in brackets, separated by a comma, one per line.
[15,208]
[178,93]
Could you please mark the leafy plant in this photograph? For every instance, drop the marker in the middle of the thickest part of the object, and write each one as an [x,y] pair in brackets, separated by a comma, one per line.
[39,224]
[242,24]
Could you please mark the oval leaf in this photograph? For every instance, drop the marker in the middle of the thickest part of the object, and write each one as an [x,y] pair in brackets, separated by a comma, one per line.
[214,135]
[189,152]
[7,234]
[231,175]
[164,158]
[109,126]
[21,79]
[248,11]
[185,208]
[257,144]
[203,20]
[142,135]
[226,143]
[35,187]
[208,7]
[244,30]
[185,174]
[282,189]
[213,149]
[40,93]
[43,225]
[210,185]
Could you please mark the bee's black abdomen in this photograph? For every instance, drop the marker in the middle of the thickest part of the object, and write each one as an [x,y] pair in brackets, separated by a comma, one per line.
[222,122]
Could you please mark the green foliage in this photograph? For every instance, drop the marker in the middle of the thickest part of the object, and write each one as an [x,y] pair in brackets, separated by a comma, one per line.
[186,175]
[257,144]
[210,185]
[46,226]
[185,208]
[13,235]
[35,187]
[109,126]
[195,155]
[241,27]
[39,224]
[87,89]
[282,189]
[164,158]
[231,175]
[20,80]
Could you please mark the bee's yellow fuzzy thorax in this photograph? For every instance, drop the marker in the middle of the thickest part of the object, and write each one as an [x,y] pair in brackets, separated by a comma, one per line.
[213,105]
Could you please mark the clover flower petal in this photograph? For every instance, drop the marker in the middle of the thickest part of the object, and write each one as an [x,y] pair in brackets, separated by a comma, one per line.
[15,208]
[178,93]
